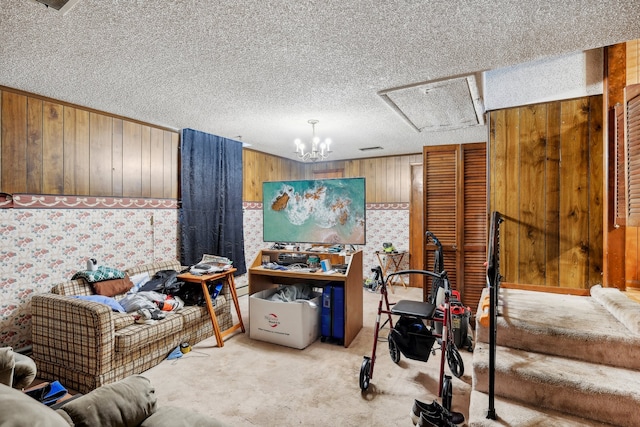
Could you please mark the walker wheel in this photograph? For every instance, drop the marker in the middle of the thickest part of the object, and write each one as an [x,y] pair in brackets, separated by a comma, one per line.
[447,393]
[365,374]
[456,364]
[394,351]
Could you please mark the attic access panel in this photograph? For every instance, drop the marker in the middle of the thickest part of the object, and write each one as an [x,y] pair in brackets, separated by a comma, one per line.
[438,105]
[62,6]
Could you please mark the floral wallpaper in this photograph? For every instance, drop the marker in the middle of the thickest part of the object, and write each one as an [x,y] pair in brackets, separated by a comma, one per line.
[46,239]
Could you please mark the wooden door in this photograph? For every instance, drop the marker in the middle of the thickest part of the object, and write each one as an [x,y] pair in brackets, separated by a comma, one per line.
[416,226]
[455,210]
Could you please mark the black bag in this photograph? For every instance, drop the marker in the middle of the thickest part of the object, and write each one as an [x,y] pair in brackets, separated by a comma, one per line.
[164,281]
[192,294]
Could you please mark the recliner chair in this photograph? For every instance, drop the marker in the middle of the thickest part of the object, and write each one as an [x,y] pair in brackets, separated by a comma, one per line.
[16,370]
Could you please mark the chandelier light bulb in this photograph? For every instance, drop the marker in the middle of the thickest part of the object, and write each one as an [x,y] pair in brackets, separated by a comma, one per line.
[319,151]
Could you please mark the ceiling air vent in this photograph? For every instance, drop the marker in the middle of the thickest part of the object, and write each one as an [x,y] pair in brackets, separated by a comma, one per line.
[370,148]
[438,105]
[62,6]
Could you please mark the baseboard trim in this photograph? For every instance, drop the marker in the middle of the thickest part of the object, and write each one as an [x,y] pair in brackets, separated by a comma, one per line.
[549,289]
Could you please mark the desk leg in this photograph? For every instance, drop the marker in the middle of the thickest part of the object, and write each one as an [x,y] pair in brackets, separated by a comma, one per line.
[234,295]
[212,313]
[397,265]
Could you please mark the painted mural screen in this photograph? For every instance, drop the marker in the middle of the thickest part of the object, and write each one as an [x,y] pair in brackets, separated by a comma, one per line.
[322,211]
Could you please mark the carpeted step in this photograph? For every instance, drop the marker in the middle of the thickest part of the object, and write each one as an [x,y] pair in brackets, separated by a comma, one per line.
[571,326]
[510,413]
[597,392]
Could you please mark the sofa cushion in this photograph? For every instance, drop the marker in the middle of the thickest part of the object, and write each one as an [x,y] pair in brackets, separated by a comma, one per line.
[136,336]
[15,405]
[113,287]
[111,302]
[127,402]
[167,416]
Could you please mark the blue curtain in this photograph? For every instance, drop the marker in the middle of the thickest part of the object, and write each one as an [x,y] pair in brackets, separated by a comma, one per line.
[211,190]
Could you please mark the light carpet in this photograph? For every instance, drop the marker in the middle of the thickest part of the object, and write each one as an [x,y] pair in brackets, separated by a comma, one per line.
[563,353]
[255,383]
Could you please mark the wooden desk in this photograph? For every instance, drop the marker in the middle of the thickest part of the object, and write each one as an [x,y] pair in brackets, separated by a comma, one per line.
[227,276]
[261,278]
[390,262]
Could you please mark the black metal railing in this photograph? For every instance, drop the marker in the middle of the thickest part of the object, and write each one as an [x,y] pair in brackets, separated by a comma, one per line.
[493,282]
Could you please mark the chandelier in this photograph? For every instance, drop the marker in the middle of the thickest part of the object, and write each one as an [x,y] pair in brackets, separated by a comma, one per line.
[319,150]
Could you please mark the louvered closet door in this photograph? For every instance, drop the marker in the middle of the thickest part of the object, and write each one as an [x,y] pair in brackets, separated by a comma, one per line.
[632,145]
[474,227]
[455,211]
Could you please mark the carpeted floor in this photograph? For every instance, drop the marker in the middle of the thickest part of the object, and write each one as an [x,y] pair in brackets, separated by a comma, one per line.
[254,383]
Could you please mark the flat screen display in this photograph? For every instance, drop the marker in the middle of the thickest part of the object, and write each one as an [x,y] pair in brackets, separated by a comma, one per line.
[323,211]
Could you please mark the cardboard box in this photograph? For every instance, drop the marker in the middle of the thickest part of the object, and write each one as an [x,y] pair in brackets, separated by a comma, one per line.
[293,324]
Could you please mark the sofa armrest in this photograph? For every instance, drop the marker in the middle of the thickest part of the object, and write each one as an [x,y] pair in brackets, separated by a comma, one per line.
[127,402]
[72,332]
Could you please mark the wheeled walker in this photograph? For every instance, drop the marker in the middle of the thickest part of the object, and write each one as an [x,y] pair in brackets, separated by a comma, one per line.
[414,334]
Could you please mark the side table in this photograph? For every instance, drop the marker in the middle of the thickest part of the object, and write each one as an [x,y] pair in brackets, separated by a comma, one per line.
[227,276]
[390,263]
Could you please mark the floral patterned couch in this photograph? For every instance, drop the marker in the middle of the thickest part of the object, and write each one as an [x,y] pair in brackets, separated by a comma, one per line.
[84,344]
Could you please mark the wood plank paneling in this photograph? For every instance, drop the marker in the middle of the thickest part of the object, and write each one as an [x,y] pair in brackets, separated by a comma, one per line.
[416,227]
[633,62]
[117,156]
[175,166]
[145,161]
[167,160]
[131,159]
[531,265]
[509,246]
[596,191]
[552,201]
[388,179]
[546,178]
[14,143]
[69,150]
[34,145]
[100,151]
[157,162]
[574,200]
[53,147]
[82,168]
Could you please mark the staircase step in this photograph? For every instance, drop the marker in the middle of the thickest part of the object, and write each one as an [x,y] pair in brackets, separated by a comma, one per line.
[510,413]
[571,326]
[601,393]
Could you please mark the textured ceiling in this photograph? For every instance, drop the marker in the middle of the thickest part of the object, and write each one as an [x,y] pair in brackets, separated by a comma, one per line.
[257,71]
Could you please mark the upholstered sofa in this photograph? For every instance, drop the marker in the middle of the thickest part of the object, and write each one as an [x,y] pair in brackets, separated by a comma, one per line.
[128,402]
[85,344]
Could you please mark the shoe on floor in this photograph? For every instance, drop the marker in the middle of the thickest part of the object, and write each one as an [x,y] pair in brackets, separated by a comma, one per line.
[427,420]
[434,411]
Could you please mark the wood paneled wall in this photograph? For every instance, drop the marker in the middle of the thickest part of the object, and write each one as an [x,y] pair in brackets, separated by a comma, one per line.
[50,147]
[633,62]
[388,179]
[546,178]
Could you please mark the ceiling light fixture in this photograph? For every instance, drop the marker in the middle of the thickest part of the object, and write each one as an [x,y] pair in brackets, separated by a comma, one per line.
[319,150]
